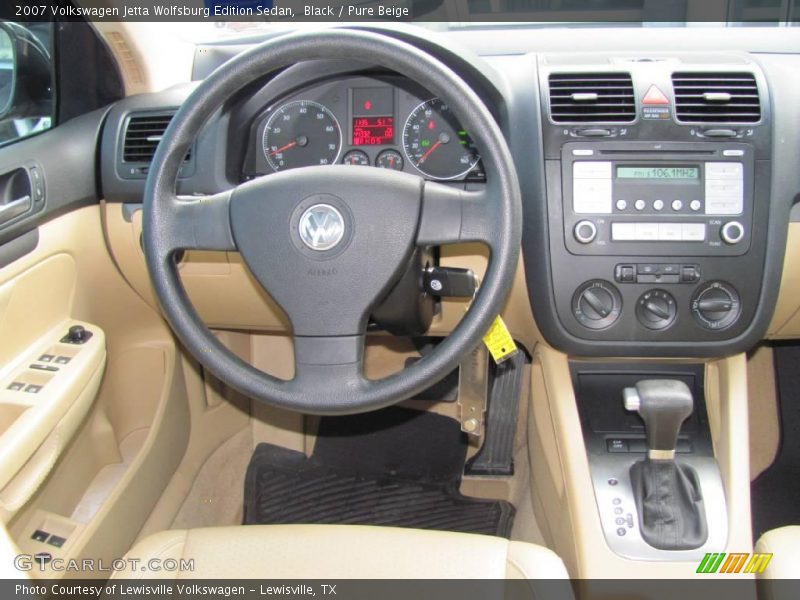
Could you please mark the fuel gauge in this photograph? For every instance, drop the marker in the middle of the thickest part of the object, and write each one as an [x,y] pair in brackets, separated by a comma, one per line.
[389,159]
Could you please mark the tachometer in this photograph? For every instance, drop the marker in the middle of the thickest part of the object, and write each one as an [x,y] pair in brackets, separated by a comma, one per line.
[301,133]
[435,143]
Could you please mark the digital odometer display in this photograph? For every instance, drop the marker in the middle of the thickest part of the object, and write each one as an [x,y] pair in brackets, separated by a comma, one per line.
[659,173]
[373,131]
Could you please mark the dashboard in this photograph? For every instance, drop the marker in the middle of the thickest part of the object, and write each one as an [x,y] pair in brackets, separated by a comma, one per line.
[657,185]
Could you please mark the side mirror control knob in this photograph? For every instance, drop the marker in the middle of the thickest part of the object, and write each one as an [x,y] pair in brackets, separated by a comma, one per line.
[77,334]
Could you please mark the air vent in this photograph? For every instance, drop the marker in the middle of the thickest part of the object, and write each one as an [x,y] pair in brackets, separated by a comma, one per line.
[716,97]
[142,136]
[592,98]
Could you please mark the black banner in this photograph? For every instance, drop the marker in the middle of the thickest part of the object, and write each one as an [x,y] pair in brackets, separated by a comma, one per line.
[702,588]
[447,11]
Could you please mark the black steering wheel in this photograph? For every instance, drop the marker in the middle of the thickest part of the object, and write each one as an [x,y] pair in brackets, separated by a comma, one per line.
[328,242]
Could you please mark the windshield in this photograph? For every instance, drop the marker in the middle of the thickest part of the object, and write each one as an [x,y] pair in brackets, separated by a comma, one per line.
[249,18]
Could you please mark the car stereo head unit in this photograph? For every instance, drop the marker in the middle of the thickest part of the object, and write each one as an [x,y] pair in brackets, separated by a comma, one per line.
[660,199]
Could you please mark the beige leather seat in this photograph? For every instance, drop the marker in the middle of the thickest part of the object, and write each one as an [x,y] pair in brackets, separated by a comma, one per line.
[342,552]
[784,545]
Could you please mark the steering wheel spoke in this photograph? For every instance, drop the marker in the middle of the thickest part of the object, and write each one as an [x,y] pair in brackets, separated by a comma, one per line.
[451,216]
[329,362]
[200,223]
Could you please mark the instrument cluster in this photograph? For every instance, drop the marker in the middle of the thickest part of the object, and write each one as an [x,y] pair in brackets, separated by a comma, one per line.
[385,123]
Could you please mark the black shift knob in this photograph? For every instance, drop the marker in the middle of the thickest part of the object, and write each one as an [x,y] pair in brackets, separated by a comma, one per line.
[663,404]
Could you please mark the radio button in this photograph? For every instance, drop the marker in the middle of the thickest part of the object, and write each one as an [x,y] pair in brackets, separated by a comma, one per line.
[677,204]
[591,169]
[640,204]
[646,232]
[658,204]
[732,232]
[695,205]
[693,232]
[623,232]
[592,196]
[670,232]
[724,170]
[585,232]
[723,206]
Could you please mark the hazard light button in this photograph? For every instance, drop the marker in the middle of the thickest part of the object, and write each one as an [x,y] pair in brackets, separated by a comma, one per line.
[655,96]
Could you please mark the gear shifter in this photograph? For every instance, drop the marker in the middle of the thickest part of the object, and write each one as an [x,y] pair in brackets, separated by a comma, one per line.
[667,493]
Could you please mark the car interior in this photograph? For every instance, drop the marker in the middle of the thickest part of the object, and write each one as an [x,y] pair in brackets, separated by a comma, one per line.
[386,300]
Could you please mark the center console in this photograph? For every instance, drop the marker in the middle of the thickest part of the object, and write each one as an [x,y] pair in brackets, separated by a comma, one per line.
[649,241]
[617,442]
[657,178]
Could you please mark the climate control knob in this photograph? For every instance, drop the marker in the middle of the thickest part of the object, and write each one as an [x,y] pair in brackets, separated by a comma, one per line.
[732,232]
[585,232]
[597,304]
[656,309]
[716,305]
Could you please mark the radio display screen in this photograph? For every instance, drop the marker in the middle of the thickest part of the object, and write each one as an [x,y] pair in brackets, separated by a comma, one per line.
[658,173]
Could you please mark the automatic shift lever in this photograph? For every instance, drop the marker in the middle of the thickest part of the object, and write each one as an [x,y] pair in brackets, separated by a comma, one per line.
[667,493]
[663,404]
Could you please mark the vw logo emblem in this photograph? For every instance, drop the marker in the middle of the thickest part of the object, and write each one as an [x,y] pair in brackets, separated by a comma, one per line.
[321,227]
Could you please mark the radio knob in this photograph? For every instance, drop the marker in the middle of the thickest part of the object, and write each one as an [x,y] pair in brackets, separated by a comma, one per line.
[585,232]
[732,232]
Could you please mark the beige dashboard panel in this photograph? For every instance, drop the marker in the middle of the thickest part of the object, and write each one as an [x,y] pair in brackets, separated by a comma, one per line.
[227,297]
[786,319]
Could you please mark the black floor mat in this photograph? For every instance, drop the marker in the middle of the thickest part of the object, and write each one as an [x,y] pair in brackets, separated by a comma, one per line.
[775,494]
[393,467]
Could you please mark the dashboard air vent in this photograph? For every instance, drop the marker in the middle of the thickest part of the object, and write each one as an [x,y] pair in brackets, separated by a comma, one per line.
[592,98]
[142,136]
[716,97]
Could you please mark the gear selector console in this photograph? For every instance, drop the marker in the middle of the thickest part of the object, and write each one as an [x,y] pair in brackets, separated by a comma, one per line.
[657,484]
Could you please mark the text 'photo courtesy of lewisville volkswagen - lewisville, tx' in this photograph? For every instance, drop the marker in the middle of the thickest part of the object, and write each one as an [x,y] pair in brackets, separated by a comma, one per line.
[400,299]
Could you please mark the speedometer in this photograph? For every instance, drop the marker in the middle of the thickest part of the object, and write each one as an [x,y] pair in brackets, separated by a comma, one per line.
[301,133]
[435,143]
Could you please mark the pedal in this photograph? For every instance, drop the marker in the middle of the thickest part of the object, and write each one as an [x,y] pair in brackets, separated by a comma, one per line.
[496,455]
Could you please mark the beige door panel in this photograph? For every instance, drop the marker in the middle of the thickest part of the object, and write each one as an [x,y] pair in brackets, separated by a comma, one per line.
[46,386]
[111,425]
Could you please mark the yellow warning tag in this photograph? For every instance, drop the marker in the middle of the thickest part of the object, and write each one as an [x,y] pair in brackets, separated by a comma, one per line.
[499,341]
